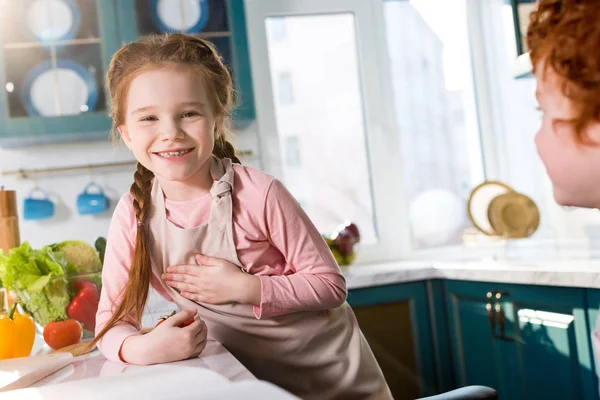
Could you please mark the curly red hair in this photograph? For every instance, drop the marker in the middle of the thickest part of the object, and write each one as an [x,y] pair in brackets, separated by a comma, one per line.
[565,35]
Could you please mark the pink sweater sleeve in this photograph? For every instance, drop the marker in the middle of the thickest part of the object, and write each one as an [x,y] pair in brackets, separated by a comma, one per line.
[317,282]
[115,274]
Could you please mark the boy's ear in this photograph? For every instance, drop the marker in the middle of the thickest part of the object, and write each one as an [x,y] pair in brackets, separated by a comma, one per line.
[124,133]
[593,133]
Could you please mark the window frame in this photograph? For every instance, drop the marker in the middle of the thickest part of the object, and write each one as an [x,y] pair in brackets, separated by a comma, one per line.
[382,139]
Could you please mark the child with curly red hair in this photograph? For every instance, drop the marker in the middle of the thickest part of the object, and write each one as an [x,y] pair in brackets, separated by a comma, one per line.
[564,38]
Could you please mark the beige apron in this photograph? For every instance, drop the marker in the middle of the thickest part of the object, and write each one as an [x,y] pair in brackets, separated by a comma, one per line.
[314,355]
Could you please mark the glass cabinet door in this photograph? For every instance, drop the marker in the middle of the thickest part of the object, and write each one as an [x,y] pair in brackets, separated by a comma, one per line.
[220,21]
[54,54]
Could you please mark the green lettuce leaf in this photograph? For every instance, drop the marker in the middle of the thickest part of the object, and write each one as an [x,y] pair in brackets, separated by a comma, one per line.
[36,276]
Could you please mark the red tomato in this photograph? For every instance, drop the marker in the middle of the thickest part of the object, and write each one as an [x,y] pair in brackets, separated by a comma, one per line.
[59,334]
[164,318]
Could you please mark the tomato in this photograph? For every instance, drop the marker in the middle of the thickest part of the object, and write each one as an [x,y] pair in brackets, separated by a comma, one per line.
[62,333]
[164,318]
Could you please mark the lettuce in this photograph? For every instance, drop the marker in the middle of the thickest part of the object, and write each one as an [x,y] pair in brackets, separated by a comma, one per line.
[37,277]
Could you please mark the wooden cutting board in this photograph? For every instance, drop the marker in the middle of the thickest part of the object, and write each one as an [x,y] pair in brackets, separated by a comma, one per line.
[19,373]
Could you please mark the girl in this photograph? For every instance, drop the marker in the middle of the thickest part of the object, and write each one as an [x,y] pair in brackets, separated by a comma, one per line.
[564,38]
[228,244]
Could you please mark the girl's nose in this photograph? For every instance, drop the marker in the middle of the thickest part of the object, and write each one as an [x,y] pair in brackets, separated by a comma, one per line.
[171,131]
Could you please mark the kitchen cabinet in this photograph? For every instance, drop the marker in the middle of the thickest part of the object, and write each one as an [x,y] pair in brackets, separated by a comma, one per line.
[220,21]
[53,55]
[395,322]
[525,341]
[528,342]
[593,304]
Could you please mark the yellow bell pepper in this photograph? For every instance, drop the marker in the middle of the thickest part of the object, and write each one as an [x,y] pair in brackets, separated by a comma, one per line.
[17,333]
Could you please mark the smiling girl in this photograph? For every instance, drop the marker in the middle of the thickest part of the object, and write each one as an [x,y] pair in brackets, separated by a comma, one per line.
[227,243]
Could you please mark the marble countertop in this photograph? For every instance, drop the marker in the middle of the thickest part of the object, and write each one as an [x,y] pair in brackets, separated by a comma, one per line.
[214,357]
[577,273]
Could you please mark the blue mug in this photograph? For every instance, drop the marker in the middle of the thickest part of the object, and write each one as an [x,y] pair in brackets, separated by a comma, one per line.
[92,203]
[37,208]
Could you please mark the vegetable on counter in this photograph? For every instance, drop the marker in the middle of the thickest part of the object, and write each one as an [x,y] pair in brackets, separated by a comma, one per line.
[62,333]
[342,242]
[17,333]
[80,256]
[45,279]
[84,305]
[165,317]
[100,245]
[37,278]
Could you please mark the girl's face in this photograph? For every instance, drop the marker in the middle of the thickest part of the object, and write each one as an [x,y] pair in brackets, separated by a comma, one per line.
[572,165]
[169,123]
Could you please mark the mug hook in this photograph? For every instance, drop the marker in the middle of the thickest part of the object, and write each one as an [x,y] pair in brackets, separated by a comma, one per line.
[34,176]
[91,174]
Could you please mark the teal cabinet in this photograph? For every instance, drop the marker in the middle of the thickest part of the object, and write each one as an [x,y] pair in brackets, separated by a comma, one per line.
[593,304]
[528,342]
[476,354]
[53,56]
[395,322]
[220,21]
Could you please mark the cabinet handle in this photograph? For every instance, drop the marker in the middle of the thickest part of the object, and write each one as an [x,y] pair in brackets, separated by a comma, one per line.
[491,312]
[495,311]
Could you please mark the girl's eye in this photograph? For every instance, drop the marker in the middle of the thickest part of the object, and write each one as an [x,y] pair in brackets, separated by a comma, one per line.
[149,118]
[189,114]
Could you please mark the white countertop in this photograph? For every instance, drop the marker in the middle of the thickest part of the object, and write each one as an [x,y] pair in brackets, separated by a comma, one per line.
[214,357]
[215,374]
[577,273]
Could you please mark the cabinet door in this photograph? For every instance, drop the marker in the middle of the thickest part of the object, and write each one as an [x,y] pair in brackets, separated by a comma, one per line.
[540,349]
[220,21]
[476,354]
[593,305]
[552,352]
[395,321]
[53,57]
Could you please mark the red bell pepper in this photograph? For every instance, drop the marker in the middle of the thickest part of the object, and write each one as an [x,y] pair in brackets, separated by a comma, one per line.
[84,305]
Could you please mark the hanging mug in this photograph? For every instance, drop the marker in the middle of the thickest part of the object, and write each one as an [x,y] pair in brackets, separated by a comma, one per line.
[37,208]
[89,203]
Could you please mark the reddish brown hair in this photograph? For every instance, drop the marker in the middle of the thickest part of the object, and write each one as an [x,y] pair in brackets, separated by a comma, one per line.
[565,35]
[129,61]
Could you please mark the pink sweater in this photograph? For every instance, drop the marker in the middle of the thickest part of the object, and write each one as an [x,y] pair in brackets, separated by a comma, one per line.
[274,238]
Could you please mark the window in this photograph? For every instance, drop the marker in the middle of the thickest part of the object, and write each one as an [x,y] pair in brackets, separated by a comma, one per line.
[292,151]
[436,118]
[383,107]
[327,115]
[285,88]
[277,29]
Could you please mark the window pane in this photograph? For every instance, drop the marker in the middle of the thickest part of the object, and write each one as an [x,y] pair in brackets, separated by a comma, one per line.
[434,103]
[319,115]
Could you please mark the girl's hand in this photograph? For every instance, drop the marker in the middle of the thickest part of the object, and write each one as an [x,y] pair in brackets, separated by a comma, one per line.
[214,281]
[168,341]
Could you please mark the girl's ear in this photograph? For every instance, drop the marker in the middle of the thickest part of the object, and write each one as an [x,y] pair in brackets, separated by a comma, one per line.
[124,133]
